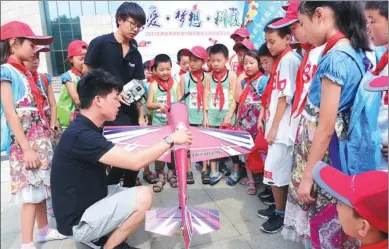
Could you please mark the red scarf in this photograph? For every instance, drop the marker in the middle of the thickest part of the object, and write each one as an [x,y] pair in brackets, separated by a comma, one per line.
[33,85]
[380,66]
[76,72]
[240,69]
[219,89]
[269,88]
[182,71]
[300,81]
[200,88]
[166,86]
[151,79]
[249,81]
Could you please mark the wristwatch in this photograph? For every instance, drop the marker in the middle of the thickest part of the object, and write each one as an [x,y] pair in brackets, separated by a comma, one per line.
[169,140]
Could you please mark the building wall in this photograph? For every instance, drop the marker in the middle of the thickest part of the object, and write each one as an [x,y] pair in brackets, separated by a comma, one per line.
[32,13]
[93,26]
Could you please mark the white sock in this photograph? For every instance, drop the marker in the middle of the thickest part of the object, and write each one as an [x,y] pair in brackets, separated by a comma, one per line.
[29,245]
[44,231]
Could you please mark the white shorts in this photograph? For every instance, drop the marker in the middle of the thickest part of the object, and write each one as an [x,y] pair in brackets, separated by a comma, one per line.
[278,165]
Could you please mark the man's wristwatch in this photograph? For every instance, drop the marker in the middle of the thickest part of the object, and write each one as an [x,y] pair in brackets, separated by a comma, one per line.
[169,140]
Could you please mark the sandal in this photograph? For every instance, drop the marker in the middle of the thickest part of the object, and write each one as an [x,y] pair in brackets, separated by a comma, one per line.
[244,181]
[150,178]
[158,186]
[205,177]
[173,181]
[251,190]
[189,178]
[233,179]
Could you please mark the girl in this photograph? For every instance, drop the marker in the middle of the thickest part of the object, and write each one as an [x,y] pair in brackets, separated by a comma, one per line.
[30,149]
[247,95]
[323,124]
[50,105]
[68,100]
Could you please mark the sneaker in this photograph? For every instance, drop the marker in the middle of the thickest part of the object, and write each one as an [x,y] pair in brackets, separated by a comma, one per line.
[233,179]
[52,234]
[96,244]
[215,177]
[266,193]
[266,213]
[273,224]
[224,170]
[268,200]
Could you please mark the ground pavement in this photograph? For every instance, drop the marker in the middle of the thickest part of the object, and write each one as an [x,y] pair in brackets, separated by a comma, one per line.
[240,226]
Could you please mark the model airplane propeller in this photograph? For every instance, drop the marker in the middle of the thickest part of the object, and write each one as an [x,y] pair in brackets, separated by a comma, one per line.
[207,144]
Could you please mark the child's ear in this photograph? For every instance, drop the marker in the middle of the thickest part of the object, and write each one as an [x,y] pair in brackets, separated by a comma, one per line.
[364,228]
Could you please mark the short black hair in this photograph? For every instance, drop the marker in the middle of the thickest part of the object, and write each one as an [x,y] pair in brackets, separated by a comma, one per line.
[97,82]
[130,9]
[146,65]
[219,48]
[180,54]
[264,51]
[209,49]
[382,6]
[282,32]
[160,59]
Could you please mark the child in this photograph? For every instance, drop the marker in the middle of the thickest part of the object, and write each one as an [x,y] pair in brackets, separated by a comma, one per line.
[193,82]
[276,111]
[50,105]
[163,91]
[362,203]
[208,67]
[248,95]
[241,49]
[323,126]
[183,63]
[240,34]
[30,148]
[266,59]
[68,100]
[219,96]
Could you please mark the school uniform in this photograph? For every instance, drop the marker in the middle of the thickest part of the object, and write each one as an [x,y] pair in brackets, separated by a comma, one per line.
[196,115]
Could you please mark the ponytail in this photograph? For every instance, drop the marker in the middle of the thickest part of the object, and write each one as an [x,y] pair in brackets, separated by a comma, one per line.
[349,17]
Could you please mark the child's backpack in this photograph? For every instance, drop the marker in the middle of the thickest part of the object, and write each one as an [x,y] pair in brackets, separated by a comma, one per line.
[65,105]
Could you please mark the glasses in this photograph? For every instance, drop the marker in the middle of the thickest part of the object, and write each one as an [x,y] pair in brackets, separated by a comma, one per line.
[135,26]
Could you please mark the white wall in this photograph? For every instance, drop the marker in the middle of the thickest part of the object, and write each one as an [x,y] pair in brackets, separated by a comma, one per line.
[29,12]
[93,26]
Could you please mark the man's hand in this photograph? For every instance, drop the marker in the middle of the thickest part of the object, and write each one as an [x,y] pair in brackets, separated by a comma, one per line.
[182,137]
[121,97]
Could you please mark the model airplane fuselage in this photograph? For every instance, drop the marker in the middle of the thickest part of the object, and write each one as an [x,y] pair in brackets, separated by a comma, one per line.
[207,144]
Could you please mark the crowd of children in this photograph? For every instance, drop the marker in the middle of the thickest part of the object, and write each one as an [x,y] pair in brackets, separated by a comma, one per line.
[306,95]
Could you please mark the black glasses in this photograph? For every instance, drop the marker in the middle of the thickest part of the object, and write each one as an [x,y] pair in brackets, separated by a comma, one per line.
[135,26]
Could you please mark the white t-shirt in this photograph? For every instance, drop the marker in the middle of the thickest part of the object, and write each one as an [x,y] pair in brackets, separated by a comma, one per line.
[284,85]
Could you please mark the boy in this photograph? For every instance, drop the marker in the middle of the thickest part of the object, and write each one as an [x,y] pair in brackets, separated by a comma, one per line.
[266,59]
[279,133]
[241,49]
[362,203]
[183,63]
[163,91]
[219,97]
[208,66]
[193,82]
[240,34]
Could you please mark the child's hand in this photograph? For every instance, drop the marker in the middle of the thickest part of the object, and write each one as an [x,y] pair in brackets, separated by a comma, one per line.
[164,108]
[31,160]
[205,122]
[227,120]
[271,136]
[260,125]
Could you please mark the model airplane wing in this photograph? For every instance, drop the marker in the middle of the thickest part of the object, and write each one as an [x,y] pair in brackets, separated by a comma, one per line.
[216,143]
[134,138]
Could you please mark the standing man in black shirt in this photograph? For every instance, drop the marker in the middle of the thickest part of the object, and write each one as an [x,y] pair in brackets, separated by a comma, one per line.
[117,53]
[84,206]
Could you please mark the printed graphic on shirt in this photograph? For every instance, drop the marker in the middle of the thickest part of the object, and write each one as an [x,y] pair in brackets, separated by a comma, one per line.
[161,100]
[216,105]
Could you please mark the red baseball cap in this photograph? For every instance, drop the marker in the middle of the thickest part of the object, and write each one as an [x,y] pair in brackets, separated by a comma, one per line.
[242,32]
[291,16]
[377,84]
[75,48]
[367,192]
[197,51]
[151,63]
[41,49]
[16,29]
[245,43]
[286,6]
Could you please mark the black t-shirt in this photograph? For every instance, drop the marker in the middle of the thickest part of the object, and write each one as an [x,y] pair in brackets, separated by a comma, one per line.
[78,179]
[106,52]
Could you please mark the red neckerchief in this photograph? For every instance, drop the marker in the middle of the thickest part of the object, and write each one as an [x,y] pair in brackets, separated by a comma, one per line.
[332,41]
[76,72]
[166,86]
[150,79]
[300,81]
[219,89]
[35,76]
[240,69]
[33,85]
[380,66]
[249,81]
[269,88]
[200,87]
[380,245]
[182,71]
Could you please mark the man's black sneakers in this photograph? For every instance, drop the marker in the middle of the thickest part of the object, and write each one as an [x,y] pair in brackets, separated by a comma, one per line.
[273,224]
[266,193]
[266,213]
[96,244]
[268,200]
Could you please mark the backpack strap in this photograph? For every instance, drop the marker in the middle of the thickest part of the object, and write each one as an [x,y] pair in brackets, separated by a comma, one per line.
[45,81]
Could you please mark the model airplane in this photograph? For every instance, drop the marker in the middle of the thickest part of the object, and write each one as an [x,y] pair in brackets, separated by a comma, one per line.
[207,144]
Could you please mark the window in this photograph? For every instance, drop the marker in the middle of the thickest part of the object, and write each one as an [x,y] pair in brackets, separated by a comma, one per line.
[101,7]
[75,9]
[63,11]
[88,8]
[113,6]
[52,11]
